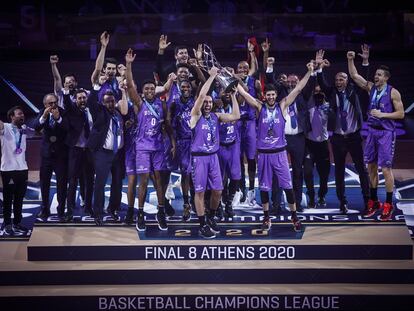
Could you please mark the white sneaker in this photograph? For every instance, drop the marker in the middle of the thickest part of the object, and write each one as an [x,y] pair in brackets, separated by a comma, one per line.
[169,194]
[251,197]
[236,198]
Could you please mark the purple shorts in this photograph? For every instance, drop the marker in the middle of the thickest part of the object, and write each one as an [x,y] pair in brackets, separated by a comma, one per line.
[149,161]
[206,173]
[130,159]
[380,147]
[273,163]
[229,157]
[182,156]
[248,138]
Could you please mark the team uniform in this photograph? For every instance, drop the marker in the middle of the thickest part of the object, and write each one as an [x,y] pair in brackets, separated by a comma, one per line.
[204,146]
[380,141]
[271,147]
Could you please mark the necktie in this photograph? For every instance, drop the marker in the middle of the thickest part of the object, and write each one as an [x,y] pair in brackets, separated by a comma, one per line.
[115,132]
[292,114]
[342,112]
[52,122]
[316,122]
[86,128]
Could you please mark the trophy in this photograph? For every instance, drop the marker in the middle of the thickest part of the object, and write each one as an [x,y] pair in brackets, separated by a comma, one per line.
[225,77]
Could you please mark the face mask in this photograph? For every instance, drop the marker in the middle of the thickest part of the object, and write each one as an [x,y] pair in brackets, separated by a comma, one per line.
[319,98]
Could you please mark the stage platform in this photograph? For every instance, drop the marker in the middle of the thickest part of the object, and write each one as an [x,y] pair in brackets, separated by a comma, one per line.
[113,268]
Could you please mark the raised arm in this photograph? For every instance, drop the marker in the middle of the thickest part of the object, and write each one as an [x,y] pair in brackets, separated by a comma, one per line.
[123,102]
[159,62]
[161,90]
[132,91]
[57,80]
[101,58]
[358,79]
[1,126]
[285,102]
[253,59]
[235,113]
[255,103]
[196,111]
[265,48]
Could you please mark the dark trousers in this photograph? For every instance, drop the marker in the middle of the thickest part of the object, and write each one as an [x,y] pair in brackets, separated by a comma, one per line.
[341,145]
[57,163]
[317,153]
[106,161]
[14,189]
[80,164]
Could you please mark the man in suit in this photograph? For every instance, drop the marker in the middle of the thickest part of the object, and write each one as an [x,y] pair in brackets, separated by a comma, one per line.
[54,154]
[79,124]
[106,141]
[345,121]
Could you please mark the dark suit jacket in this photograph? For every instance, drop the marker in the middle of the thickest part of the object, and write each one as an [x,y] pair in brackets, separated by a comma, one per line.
[53,142]
[75,120]
[163,72]
[352,94]
[101,120]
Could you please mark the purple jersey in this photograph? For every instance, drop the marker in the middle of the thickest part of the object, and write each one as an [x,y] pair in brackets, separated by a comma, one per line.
[271,128]
[111,86]
[150,119]
[228,130]
[381,100]
[205,135]
[247,112]
[181,117]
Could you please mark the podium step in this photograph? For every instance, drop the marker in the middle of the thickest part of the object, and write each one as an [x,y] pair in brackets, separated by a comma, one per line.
[383,242]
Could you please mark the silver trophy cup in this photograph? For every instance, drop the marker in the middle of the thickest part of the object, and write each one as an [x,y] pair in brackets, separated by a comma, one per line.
[225,77]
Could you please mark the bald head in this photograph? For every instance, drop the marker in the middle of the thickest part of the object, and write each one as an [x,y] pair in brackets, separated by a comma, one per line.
[341,81]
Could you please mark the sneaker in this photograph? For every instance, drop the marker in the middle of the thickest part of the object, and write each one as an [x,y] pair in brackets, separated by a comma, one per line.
[266,224]
[219,211]
[206,232]
[8,230]
[169,193]
[20,229]
[386,212]
[228,210]
[140,224]
[297,225]
[99,221]
[114,214]
[372,208]
[162,221]
[343,208]
[321,202]
[311,204]
[129,217]
[211,222]
[251,197]
[169,210]
[89,212]
[186,212]
[237,198]
[243,195]
[43,214]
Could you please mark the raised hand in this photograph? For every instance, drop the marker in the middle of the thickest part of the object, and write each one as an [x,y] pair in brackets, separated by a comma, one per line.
[266,45]
[192,61]
[163,43]
[105,39]
[350,55]
[54,59]
[365,53]
[172,76]
[198,54]
[55,113]
[130,56]
[270,61]
[319,57]
[250,46]
[46,112]
[310,66]
[213,71]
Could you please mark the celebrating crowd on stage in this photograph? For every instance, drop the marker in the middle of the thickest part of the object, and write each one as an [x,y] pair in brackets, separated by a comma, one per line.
[209,123]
